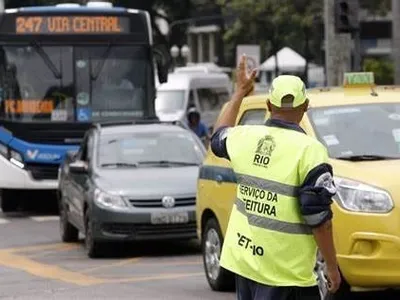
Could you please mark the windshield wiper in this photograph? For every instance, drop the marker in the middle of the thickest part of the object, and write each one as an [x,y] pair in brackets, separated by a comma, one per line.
[362,157]
[102,62]
[119,164]
[167,162]
[47,60]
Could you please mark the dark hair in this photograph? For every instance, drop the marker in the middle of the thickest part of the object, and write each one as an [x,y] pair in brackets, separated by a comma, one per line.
[287,101]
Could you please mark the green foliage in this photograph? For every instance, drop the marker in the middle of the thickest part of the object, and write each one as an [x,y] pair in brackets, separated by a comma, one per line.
[383,70]
[272,23]
[380,7]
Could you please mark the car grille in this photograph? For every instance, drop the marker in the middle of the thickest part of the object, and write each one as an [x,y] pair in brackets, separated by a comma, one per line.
[154,203]
[42,171]
[148,230]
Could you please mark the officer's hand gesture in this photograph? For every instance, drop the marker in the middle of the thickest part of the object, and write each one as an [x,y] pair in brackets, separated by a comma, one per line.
[244,81]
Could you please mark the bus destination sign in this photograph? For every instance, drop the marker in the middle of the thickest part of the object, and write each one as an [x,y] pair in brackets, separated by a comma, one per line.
[71,25]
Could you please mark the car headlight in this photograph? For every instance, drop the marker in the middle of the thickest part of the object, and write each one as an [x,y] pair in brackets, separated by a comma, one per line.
[359,197]
[109,201]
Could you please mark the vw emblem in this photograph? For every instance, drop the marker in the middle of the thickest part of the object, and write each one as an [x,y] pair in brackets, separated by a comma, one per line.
[168,202]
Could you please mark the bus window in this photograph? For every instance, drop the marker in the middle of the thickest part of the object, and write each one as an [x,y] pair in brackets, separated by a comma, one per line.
[118,79]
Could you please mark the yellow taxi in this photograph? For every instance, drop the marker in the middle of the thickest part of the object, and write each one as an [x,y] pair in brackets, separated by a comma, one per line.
[359,123]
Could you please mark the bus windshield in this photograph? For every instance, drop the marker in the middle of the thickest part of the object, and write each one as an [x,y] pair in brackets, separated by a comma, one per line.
[73,83]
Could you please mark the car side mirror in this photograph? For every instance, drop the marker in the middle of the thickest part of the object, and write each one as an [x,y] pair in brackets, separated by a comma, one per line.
[78,167]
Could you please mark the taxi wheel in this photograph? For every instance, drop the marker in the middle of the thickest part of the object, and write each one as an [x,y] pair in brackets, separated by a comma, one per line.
[344,292]
[218,278]
[67,231]
[93,248]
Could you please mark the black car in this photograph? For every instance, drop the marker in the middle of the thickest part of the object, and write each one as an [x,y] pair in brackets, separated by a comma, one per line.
[130,182]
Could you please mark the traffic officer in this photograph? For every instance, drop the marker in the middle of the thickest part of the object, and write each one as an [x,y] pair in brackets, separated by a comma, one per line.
[282,211]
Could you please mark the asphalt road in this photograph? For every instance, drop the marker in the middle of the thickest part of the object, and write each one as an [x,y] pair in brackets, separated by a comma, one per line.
[34,264]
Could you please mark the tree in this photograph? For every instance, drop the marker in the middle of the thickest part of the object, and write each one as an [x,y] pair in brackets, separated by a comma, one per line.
[380,7]
[383,70]
[272,23]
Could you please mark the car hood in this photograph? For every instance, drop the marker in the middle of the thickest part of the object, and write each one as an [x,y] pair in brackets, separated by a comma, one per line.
[149,182]
[383,174]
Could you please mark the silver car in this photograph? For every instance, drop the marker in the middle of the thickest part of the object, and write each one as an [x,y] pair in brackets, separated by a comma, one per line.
[130,182]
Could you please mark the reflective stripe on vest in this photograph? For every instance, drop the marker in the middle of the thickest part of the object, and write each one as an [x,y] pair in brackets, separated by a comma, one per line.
[272,224]
[267,239]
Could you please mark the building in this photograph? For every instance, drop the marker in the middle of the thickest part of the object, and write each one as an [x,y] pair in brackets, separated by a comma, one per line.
[205,34]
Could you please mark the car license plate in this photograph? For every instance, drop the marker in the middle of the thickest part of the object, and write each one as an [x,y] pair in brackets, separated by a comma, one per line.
[170,218]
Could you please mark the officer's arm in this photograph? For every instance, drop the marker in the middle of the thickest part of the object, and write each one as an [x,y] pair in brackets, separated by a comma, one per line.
[218,142]
[316,198]
[244,87]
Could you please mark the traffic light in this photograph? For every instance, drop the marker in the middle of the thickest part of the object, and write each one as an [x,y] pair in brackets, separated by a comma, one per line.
[346,16]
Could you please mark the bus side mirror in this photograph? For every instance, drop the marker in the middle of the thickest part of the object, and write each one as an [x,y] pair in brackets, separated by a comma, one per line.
[162,71]
[162,62]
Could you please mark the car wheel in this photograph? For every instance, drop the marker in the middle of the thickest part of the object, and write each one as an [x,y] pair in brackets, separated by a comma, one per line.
[92,246]
[10,201]
[68,232]
[342,293]
[218,278]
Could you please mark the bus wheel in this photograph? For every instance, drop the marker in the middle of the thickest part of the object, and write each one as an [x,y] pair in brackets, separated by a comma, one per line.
[10,201]
[218,278]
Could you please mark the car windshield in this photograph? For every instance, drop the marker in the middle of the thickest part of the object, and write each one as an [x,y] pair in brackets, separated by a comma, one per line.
[147,149]
[73,83]
[369,131]
[170,101]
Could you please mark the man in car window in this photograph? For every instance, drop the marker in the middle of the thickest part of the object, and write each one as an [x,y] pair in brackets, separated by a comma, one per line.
[198,127]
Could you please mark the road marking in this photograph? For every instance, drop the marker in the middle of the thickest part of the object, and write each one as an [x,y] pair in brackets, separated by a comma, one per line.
[20,262]
[16,258]
[4,221]
[116,264]
[57,246]
[59,249]
[176,263]
[151,278]
[45,218]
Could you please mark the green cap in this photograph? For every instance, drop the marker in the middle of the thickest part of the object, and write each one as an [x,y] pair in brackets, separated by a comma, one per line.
[284,85]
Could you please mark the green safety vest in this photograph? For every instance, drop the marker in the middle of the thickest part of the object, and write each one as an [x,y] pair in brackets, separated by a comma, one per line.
[267,239]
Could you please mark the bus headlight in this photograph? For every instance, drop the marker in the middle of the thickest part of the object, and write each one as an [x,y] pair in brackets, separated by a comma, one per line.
[12,155]
[359,197]
[4,150]
[16,158]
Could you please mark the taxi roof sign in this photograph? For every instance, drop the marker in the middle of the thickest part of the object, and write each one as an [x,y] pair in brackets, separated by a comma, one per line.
[359,79]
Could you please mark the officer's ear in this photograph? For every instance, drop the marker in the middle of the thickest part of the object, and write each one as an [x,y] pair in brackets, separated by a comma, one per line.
[306,105]
[269,105]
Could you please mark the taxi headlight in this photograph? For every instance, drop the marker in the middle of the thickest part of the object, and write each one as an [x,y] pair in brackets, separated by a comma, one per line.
[359,197]
[108,201]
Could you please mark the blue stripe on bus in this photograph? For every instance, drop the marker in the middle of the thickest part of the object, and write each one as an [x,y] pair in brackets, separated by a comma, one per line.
[217,173]
[38,153]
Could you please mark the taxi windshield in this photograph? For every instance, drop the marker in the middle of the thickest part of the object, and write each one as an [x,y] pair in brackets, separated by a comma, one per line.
[368,131]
